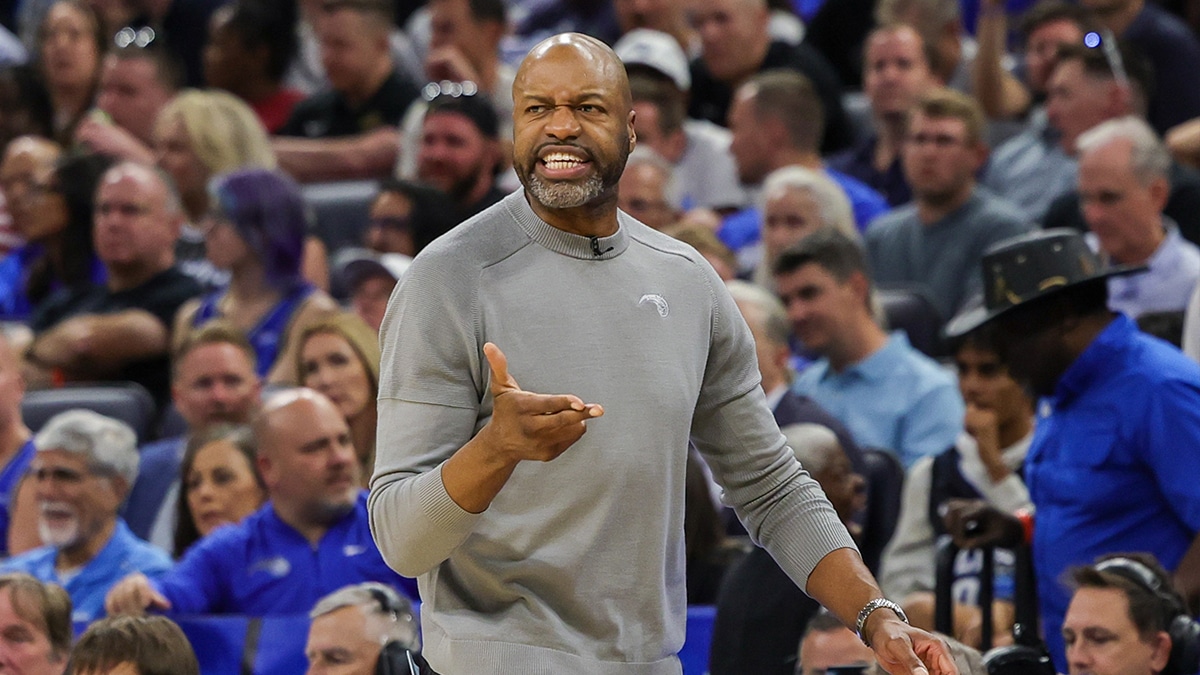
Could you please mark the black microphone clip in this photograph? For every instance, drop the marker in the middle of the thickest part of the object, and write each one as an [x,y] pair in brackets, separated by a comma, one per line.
[596,247]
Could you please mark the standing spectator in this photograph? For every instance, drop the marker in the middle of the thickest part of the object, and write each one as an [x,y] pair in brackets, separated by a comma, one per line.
[936,242]
[349,130]
[120,330]
[339,357]
[1105,462]
[83,468]
[256,230]
[250,44]
[895,75]
[736,44]
[888,394]
[38,617]
[70,46]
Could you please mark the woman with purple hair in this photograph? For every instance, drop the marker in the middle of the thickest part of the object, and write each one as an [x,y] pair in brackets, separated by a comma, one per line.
[255,229]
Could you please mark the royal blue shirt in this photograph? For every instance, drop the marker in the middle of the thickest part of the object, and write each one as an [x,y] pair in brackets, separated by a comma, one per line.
[123,555]
[10,477]
[1115,466]
[262,566]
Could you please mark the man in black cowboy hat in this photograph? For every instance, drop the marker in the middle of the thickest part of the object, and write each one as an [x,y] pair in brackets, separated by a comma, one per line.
[1113,466]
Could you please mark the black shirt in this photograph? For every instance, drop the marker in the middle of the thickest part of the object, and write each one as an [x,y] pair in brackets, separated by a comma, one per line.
[327,114]
[711,98]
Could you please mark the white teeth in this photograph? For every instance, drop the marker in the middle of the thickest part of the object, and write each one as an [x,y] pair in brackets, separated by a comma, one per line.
[561,161]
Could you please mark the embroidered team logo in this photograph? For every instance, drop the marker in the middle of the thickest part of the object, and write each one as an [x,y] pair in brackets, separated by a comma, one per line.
[277,567]
[659,303]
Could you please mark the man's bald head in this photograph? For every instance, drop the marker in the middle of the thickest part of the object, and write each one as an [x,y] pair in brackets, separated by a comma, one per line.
[592,53]
[282,409]
[34,146]
[149,178]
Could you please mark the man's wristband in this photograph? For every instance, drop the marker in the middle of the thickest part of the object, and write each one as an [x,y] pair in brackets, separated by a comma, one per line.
[1025,516]
[868,609]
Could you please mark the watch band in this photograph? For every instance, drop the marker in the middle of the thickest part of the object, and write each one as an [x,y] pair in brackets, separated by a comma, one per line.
[868,609]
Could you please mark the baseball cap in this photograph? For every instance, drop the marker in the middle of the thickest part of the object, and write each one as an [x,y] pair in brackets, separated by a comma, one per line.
[368,264]
[658,51]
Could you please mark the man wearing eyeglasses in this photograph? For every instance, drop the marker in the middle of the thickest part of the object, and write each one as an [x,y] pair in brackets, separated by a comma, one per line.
[82,471]
[937,240]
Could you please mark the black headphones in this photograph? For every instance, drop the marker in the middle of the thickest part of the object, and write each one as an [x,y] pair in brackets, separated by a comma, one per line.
[395,658]
[1183,629]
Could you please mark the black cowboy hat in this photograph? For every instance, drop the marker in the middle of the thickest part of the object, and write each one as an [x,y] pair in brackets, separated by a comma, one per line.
[1031,266]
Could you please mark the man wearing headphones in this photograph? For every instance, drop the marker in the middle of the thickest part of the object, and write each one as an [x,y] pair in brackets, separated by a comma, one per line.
[363,629]
[1126,619]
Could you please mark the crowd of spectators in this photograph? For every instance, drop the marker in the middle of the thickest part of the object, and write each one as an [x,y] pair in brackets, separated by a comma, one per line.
[838,162]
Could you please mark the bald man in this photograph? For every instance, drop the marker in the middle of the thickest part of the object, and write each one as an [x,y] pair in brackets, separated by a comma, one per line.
[545,549]
[121,330]
[310,539]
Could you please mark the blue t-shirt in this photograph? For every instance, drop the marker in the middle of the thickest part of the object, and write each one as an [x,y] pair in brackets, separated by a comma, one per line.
[10,477]
[268,335]
[123,555]
[262,566]
[1114,467]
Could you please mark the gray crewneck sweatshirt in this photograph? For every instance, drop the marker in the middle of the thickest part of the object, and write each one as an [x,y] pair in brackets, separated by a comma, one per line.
[578,564]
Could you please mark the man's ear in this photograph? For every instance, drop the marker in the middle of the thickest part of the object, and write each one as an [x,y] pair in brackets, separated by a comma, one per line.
[1161,642]
[861,287]
[632,131]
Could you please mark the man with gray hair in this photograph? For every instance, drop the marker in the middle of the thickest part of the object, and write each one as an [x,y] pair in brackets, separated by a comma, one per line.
[84,466]
[1123,187]
[120,330]
[355,628]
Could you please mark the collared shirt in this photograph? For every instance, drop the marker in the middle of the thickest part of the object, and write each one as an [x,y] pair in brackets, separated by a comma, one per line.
[896,399]
[1113,467]
[1174,269]
[263,566]
[123,555]
[1031,169]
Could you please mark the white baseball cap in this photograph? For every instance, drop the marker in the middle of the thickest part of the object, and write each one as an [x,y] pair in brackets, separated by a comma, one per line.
[358,268]
[656,50]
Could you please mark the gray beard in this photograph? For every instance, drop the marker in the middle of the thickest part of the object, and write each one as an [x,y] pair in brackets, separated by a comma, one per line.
[564,194]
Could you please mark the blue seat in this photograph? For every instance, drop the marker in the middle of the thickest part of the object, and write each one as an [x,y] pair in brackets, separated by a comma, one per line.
[125,401]
[909,309]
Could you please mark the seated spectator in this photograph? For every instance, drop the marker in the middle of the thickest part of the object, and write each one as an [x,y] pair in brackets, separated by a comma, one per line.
[460,151]
[311,537]
[339,357]
[59,258]
[27,161]
[358,629]
[349,130]
[25,107]
[888,394]
[370,279]
[645,188]
[937,241]
[406,216]
[700,237]
[38,617]
[220,483]
[70,47]
[134,645]
[250,45]
[212,382]
[895,75]
[795,202]
[201,134]
[120,330]
[669,17]
[16,446]
[255,229]
[83,468]
[776,121]
[984,463]
[698,150]
[1123,188]
[464,47]
[135,83]
[761,614]
[1123,618]
[735,45]
[827,643]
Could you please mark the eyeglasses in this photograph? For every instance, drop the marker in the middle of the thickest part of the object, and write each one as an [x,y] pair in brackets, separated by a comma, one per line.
[134,38]
[449,88]
[1107,43]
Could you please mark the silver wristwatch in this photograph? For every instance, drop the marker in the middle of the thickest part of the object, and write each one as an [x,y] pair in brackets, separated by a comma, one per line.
[868,609]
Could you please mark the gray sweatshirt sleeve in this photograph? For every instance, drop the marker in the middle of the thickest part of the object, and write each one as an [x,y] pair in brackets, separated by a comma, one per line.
[428,409]
[781,505]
